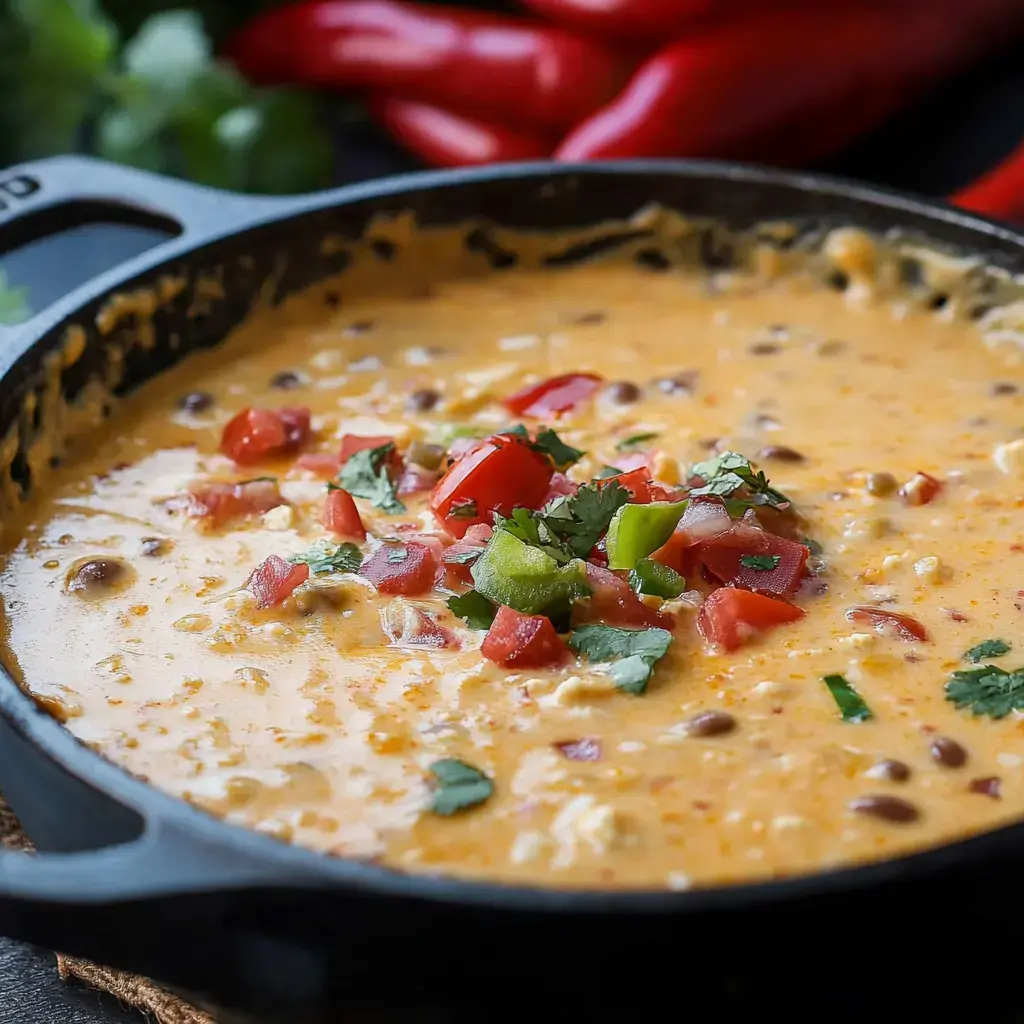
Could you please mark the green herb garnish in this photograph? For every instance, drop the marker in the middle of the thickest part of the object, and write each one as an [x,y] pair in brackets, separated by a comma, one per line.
[630,444]
[548,443]
[325,557]
[851,704]
[463,557]
[988,690]
[987,649]
[365,475]
[472,606]
[763,563]
[631,654]
[651,577]
[458,786]
[729,473]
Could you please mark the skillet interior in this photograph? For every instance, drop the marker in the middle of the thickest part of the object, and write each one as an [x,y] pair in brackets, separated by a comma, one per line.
[291,253]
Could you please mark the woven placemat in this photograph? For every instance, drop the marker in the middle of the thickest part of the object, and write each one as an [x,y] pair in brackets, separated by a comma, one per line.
[140,993]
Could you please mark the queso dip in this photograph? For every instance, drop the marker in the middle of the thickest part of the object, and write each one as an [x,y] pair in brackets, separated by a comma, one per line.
[615,575]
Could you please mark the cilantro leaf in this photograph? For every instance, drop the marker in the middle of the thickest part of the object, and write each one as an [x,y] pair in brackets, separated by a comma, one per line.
[632,653]
[325,557]
[547,442]
[763,563]
[531,529]
[474,608]
[850,703]
[987,649]
[988,690]
[365,475]
[632,443]
[729,473]
[651,577]
[458,786]
[592,507]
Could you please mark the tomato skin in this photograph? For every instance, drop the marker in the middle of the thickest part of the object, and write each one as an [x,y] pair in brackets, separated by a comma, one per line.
[256,434]
[341,516]
[516,640]
[905,626]
[614,603]
[274,579]
[218,502]
[636,481]
[721,557]
[730,617]
[407,568]
[553,396]
[500,474]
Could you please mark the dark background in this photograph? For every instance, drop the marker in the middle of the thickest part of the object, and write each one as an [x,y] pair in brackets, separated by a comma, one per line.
[960,131]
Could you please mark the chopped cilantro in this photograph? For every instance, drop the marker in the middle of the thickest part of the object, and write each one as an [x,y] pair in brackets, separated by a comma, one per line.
[365,475]
[988,690]
[850,703]
[458,786]
[632,443]
[763,563]
[729,473]
[531,529]
[987,649]
[325,557]
[463,508]
[630,653]
[463,557]
[474,608]
[547,442]
[651,577]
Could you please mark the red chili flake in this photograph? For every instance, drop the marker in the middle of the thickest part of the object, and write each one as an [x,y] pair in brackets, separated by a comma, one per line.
[987,787]
[701,805]
[954,614]
[580,750]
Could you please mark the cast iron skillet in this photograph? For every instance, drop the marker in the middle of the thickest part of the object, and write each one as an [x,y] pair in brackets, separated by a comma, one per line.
[137,879]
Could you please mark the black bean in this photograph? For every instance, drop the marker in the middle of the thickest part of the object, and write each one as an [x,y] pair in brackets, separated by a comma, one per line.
[887,808]
[838,280]
[359,327]
[422,400]
[332,300]
[623,392]
[195,401]
[987,787]
[947,752]
[780,453]
[938,301]
[96,574]
[680,384]
[765,348]
[711,723]
[592,318]
[285,380]
[831,347]
[1004,388]
[153,546]
[383,248]
[890,770]
[881,485]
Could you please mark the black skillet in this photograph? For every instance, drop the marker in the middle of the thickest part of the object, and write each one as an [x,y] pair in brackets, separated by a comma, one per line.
[136,879]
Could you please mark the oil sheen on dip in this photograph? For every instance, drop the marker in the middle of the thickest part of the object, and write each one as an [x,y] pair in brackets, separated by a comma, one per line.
[317,720]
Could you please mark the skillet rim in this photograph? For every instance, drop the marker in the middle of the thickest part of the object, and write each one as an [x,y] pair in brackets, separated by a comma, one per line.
[300,867]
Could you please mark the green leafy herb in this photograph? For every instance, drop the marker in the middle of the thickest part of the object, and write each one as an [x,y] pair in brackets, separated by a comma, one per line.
[474,608]
[763,563]
[850,703]
[987,649]
[607,472]
[463,508]
[365,475]
[13,304]
[988,690]
[325,557]
[547,442]
[651,577]
[531,528]
[631,653]
[458,786]
[729,473]
[630,444]
[812,545]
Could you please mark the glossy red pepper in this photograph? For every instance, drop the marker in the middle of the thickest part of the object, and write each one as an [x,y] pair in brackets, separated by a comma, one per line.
[444,139]
[553,396]
[791,85]
[999,193]
[507,70]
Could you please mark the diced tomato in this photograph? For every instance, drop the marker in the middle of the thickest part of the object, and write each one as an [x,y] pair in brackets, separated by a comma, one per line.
[553,396]
[324,466]
[516,640]
[255,434]
[705,517]
[501,474]
[352,443]
[905,627]
[560,487]
[920,489]
[599,553]
[659,492]
[453,574]
[731,617]
[722,556]
[415,479]
[409,626]
[636,481]
[613,602]
[274,579]
[341,516]
[406,568]
[219,502]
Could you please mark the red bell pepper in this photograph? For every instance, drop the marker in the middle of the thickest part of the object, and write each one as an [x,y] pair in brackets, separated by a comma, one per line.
[553,396]
[999,193]
[506,70]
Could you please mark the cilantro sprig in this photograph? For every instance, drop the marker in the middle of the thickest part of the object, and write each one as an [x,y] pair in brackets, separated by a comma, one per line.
[630,654]
[477,611]
[548,443]
[988,690]
[731,475]
[852,706]
[987,649]
[458,786]
[325,557]
[365,475]
[762,563]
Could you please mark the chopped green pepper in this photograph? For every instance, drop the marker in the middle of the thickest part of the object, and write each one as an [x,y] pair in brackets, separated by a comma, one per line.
[637,530]
[525,578]
[650,577]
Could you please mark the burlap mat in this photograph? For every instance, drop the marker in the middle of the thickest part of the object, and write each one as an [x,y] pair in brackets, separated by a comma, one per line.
[139,993]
